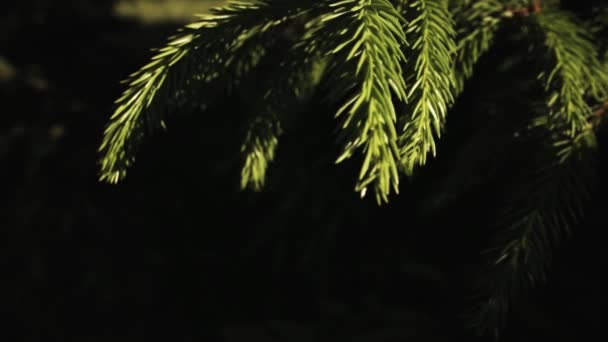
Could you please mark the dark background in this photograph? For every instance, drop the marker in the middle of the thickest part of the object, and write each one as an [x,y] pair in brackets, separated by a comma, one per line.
[178,252]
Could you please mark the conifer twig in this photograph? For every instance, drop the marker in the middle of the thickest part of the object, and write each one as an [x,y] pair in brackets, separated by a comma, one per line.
[196,54]
[541,210]
[276,98]
[573,73]
[476,25]
[366,38]
[432,79]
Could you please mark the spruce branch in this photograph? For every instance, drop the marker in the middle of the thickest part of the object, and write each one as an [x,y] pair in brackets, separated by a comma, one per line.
[365,41]
[258,150]
[432,80]
[296,71]
[476,25]
[576,71]
[547,202]
[196,54]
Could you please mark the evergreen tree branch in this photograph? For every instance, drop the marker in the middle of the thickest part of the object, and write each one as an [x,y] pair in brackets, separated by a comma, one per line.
[197,54]
[294,75]
[258,150]
[576,71]
[365,40]
[476,24]
[538,215]
[432,80]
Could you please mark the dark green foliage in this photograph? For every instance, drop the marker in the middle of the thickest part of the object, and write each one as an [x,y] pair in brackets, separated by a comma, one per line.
[391,71]
[477,22]
[536,214]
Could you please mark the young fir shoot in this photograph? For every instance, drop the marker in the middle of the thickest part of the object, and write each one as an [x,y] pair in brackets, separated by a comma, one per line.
[477,23]
[432,80]
[367,40]
[259,148]
[298,73]
[577,71]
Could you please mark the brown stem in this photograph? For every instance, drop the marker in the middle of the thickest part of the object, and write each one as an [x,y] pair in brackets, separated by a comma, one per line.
[599,113]
[536,6]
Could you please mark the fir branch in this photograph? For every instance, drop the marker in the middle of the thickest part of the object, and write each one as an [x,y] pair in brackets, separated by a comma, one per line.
[259,150]
[365,40]
[197,54]
[295,75]
[432,80]
[476,23]
[548,201]
[576,70]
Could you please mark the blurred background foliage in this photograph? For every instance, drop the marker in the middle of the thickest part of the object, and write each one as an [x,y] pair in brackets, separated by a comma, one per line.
[155,11]
[178,252]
